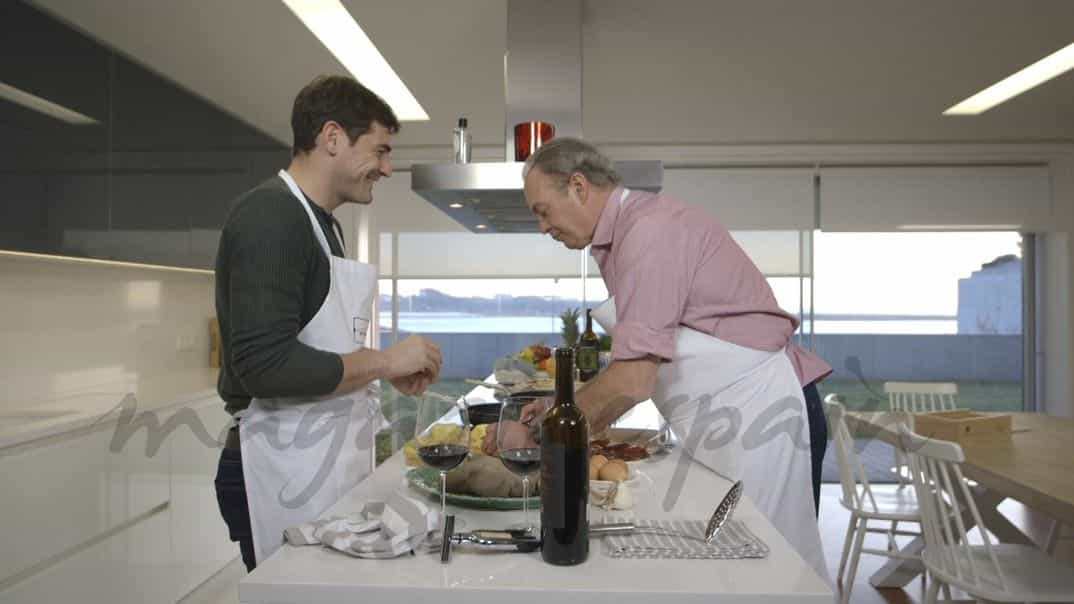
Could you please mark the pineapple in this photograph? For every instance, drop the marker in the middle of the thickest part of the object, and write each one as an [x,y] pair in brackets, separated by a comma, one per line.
[570,327]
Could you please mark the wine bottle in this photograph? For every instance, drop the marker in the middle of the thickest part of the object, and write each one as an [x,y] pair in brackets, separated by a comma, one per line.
[588,351]
[564,472]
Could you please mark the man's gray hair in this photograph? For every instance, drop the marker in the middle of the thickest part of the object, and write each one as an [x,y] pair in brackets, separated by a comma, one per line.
[562,157]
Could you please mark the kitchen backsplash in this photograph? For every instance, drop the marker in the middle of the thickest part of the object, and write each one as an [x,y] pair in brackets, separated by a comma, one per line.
[73,327]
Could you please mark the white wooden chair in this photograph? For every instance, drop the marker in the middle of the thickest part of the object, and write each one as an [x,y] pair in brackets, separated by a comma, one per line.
[922,397]
[888,505]
[990,571]
[918,397]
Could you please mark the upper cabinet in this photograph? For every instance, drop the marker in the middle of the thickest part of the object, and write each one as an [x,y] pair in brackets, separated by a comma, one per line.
[102,158]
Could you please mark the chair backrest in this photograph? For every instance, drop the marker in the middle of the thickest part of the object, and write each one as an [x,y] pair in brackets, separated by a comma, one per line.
[921,397]
[852,476]
[945,501]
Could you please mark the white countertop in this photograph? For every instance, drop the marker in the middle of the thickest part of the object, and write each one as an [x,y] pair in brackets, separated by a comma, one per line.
[317,575]
[100,405]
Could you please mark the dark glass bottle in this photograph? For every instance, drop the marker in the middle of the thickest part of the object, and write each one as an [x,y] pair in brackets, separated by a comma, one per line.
[564,472]
[588,351]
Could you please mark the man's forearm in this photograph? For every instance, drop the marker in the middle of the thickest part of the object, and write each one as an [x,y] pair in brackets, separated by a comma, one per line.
[607,397]
[362,367]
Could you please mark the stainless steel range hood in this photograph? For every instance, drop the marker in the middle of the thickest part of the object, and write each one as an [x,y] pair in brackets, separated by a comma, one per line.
[543,82]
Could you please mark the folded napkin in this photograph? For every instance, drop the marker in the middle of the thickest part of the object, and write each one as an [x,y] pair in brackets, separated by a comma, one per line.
[685,539]
[381,530]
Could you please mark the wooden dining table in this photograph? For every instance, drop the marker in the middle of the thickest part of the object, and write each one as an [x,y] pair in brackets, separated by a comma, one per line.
[1035,466]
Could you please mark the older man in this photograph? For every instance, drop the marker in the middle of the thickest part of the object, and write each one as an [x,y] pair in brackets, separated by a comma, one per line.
[695,327]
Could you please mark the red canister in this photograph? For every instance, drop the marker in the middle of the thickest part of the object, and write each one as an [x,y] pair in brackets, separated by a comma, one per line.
[529,136]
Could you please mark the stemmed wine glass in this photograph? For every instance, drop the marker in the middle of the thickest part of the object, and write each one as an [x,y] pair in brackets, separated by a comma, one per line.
[442,437]
[517,443]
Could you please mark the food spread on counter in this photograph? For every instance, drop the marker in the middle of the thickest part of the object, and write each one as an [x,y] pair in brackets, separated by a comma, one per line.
[620,451]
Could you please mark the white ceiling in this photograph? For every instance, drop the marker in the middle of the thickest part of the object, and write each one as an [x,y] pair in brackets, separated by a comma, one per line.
[670,72]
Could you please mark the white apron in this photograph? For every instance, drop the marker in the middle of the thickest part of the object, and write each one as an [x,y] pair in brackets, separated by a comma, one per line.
[711,386]
[300,455]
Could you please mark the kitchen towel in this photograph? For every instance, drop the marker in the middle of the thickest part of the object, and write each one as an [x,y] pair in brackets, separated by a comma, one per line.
[381,530]
[685,539]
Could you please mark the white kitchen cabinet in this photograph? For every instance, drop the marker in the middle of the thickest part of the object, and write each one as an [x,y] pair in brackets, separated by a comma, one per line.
[200,546]
[86,521]
[65,491]
[130,566]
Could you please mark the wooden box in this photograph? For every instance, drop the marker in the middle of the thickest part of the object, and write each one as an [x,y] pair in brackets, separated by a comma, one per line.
[214,343]
[962,425]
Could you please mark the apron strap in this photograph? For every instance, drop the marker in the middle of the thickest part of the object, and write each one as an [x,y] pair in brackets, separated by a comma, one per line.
[297,192]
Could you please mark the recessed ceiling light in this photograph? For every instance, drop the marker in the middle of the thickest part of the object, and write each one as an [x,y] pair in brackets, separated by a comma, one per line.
[455,205]
[344,38]
[31,101]
[1055,64]
[481,226]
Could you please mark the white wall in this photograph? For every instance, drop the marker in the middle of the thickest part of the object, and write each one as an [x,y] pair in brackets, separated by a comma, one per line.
[70,326]
[1057,290]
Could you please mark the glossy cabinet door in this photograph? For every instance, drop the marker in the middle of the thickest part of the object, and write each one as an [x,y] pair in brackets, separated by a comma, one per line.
[89,523]
[126,568]
[69,490]
[199,546]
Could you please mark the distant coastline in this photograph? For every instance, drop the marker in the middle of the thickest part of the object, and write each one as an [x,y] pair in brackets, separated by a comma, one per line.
[461,322]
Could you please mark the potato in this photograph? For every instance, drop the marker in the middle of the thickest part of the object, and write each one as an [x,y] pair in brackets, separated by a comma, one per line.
[615,470]
[487,477]
[458,479]
[595,464]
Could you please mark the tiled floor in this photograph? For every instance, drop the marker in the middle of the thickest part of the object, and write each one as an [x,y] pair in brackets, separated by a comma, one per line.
[222,589]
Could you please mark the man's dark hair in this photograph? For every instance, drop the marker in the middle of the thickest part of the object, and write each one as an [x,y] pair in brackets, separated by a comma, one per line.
[339,99]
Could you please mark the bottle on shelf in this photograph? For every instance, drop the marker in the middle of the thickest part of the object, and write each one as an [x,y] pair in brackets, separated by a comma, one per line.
[462,142]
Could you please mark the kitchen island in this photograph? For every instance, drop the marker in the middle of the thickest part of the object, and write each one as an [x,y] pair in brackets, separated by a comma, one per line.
[317,575]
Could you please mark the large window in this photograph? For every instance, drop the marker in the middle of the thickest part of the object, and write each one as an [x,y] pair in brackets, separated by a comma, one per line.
[921,307]
[481,297]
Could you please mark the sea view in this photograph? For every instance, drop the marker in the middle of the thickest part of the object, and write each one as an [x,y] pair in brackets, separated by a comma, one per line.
[453,322]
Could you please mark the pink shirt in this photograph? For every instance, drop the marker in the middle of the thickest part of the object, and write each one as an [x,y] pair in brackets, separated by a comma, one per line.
[670,264]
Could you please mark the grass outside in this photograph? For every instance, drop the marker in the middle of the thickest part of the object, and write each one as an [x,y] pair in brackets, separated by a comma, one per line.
[980,396]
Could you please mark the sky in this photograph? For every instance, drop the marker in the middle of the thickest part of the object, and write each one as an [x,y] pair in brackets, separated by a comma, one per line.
[856,273]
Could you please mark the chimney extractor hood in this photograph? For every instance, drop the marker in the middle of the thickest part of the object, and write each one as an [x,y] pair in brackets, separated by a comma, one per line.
[543,82]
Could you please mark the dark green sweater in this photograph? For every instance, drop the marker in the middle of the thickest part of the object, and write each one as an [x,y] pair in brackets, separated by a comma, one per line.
[271,278]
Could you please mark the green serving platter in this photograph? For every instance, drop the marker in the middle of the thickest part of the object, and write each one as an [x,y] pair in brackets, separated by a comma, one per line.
[427,480]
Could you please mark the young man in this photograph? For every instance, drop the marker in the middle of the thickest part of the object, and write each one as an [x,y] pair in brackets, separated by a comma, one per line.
[694,326]
[293,320]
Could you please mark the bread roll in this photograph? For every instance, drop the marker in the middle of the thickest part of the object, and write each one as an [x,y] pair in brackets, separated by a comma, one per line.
[595,464]
[615,469]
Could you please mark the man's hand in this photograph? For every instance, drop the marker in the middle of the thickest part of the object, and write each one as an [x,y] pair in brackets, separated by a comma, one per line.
[413,384]
[516,436]
[414,356]
[537,409]
[531,413]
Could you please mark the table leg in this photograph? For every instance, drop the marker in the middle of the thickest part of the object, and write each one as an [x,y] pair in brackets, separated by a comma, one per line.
[898,573]
[988,506]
